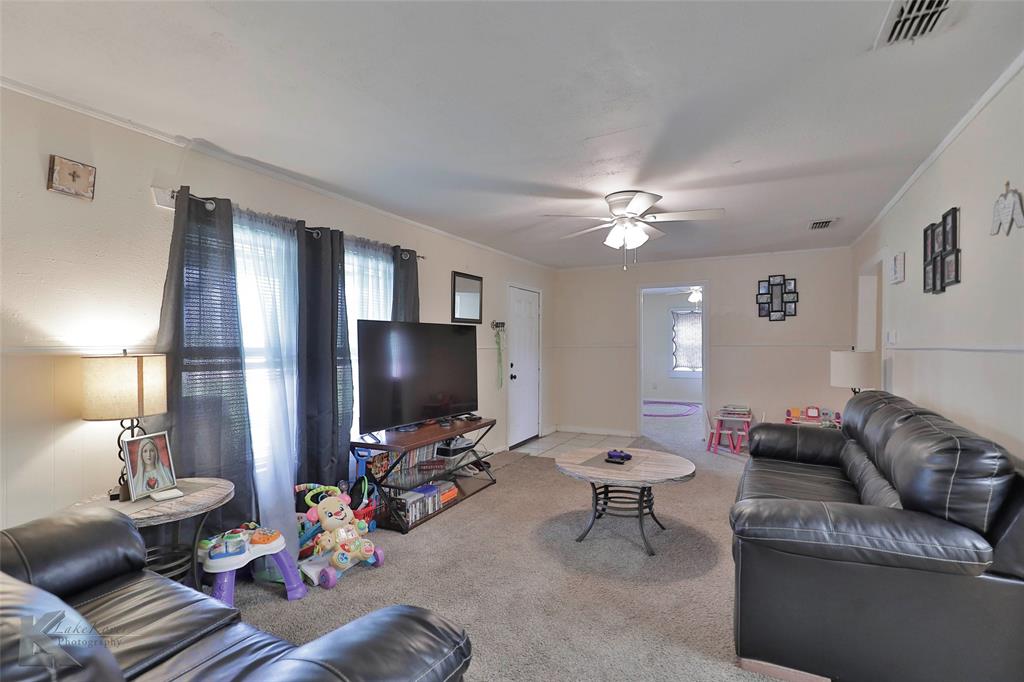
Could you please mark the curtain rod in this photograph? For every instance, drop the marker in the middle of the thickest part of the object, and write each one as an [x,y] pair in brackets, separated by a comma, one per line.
[210,205]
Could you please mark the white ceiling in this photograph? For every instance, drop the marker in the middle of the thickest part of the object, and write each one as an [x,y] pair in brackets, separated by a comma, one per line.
[477,118]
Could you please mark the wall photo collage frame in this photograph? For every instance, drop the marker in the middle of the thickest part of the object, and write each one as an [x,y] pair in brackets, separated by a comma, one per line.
[942,253]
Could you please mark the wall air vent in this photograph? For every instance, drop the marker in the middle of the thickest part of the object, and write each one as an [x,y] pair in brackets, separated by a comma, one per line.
[821,224]
[908,20]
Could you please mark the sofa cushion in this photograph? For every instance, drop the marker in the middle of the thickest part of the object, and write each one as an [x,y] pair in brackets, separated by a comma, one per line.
[884,422]
[946,470]
[860,407]
[80,656]
[863,534]
[774,478]
[873,488]
[149,618]
[67,552]
[231,653]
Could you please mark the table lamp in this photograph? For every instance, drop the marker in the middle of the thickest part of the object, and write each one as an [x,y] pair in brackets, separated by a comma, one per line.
[123,388]
[852,369]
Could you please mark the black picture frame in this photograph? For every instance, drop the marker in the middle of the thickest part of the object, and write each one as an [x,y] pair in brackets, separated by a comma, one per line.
[762,310]
[776,304]
[764,298]
[790,309]
[776,279]
[456,276]
[929,277]
[927,241]
[938,245]
[777,317]
[950,230]
[937,286]
[950,268]
[790,285]
[791,297]
[762,286]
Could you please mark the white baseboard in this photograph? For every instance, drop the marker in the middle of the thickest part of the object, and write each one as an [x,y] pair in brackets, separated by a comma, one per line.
[598,431]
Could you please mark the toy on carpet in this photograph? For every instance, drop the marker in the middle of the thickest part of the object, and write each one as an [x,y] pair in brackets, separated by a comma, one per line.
[331,536]
[225,553]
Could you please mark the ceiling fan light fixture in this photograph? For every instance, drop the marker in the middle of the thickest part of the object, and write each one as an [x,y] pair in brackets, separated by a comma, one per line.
[635,236]
[616,236]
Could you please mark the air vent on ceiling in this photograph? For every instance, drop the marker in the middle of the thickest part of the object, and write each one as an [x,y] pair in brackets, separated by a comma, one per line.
[821,224]
[908,20]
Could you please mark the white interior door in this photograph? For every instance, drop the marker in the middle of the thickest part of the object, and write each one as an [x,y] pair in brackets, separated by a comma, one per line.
[522,330]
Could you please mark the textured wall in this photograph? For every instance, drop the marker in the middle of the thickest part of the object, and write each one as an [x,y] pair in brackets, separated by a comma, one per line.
[81,277]
[768,365]
[961,352]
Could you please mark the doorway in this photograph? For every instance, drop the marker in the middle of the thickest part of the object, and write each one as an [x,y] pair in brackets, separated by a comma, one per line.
[522,331]
[673,341]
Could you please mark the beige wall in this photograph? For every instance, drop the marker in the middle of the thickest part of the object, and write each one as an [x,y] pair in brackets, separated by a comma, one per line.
[961,352]
[768,365]
[659,381]
[83,277]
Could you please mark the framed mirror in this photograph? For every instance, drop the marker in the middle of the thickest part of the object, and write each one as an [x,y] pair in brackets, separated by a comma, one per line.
[467,298]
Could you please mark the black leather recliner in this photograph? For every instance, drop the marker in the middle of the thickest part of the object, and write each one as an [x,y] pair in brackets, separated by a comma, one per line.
[79,581]
[890,550]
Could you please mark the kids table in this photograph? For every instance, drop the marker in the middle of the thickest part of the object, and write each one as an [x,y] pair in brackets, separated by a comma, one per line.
[718,430]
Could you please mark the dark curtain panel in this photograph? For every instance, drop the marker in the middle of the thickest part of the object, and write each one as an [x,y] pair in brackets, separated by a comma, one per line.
[325,364]
[405,302]
[207,412]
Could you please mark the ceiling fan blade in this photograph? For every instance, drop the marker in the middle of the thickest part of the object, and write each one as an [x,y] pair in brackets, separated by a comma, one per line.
[700,214]
[589,229]
[641,202]
[569,215]
[652,231]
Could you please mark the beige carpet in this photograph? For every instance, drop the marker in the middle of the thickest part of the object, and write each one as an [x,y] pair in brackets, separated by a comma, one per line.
[539,606]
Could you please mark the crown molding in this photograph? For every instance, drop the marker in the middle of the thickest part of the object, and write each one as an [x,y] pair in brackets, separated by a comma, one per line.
[735,256]
[50,98]
[1004,78]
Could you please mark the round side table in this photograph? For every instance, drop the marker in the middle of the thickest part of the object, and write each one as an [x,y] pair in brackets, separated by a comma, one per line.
[201,496]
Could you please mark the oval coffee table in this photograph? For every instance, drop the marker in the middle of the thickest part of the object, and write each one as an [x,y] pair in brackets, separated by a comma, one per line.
[624,489]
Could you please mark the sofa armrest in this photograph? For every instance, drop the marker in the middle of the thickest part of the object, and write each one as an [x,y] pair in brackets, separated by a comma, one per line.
[863,534]
[393,643]
[795,443]
[67,553]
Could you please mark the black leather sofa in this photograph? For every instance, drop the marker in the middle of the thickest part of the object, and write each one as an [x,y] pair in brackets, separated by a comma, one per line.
[78,582]
[890,550]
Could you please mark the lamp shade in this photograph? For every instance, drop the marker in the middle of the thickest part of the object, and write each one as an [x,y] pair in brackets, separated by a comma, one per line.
[850,369]
[123,386]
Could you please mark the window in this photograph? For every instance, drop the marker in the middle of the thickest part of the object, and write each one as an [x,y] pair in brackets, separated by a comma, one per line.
[369,282]
[687,341]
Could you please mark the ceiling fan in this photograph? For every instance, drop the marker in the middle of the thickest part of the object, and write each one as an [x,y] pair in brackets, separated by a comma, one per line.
[631,224]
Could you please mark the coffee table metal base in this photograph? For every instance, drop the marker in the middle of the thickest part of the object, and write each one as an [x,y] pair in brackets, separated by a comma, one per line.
[616,500]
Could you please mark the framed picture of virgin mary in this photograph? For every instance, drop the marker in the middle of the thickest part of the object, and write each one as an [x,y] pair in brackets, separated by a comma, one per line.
[148,460]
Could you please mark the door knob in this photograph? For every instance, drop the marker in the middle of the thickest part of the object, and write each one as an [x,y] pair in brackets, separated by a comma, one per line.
[514,377]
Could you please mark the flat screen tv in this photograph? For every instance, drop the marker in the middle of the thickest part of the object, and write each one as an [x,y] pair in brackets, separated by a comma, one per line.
[410,372]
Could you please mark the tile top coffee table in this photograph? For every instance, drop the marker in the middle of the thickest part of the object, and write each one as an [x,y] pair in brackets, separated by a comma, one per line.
[624,489]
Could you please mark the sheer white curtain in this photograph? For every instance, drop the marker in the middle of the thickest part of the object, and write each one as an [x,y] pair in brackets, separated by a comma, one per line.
[369,285]
[266,265]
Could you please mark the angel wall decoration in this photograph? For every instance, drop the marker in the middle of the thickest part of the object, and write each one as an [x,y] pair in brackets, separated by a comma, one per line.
[1008,211]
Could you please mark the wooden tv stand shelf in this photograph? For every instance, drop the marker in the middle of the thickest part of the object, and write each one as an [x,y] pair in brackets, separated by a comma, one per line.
[407,468]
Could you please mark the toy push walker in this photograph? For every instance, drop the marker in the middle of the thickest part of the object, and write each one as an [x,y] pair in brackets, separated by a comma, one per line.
[335,536]
[224,554]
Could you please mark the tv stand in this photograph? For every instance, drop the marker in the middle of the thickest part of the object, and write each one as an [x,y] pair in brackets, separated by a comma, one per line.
[402,475]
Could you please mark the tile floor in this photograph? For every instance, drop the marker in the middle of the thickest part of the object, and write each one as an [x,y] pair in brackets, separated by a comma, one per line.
[558,442]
